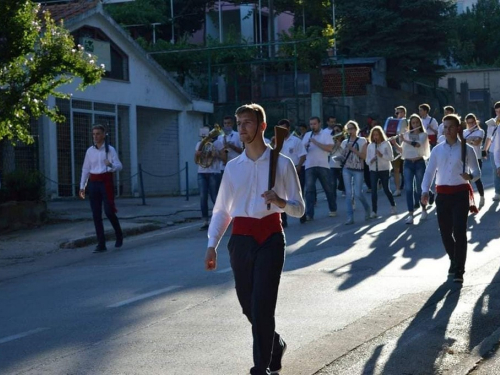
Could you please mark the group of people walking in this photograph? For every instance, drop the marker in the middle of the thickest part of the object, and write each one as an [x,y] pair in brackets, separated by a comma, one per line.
[235,169]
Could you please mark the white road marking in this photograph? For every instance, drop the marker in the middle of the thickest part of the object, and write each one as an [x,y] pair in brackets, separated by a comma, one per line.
[144,296]
[21,335]
[225,270]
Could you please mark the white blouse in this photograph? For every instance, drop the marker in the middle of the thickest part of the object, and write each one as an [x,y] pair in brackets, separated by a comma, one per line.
[380,163]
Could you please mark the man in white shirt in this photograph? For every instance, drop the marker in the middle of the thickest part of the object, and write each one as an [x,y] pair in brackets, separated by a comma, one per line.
[492,137]
[294,149]
[101,161]
[430,123]
[209,155]
[257,243]
[230,140]
[447,110]
[454,164]
[318,145]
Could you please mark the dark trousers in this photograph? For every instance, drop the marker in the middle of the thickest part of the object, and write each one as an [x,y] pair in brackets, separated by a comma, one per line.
[98,198]
[383,176]
[479,183]
[452,214]
[338,179]
[366,177]
[257,272]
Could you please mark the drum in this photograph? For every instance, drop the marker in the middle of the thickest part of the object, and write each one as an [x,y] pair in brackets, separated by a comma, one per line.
[394,126]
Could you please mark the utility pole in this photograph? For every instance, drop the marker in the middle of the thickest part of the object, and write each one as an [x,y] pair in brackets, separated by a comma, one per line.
[271,28]
[172,40]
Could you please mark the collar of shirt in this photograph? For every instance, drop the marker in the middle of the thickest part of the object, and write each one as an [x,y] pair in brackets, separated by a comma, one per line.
[265,156]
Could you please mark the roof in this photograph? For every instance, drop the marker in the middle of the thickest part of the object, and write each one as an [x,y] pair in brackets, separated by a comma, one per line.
[69,9]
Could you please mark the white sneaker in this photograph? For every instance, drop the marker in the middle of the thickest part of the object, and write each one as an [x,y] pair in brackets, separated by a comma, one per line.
[332,214]
[423,216]
[373,215]
[409,220]
[394,211]
[397,193]
[481,202]
[496,198]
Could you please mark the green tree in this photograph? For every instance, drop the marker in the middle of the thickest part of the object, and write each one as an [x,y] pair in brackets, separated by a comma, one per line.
[34,62]
[476,40]
[189,17]
[411,34]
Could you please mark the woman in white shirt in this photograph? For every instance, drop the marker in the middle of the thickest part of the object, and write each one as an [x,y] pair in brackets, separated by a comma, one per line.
[335,163]
[379,155]
[415,151]
[474,136]
[353,160]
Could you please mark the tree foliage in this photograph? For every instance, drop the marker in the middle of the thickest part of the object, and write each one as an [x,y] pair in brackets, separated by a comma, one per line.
[189,17]
[475,41]
[36,57]
[411,34]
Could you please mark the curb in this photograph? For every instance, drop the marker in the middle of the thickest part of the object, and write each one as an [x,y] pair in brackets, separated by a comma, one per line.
[110,234]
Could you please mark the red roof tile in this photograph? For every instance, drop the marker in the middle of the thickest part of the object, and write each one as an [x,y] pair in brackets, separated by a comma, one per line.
[70,9]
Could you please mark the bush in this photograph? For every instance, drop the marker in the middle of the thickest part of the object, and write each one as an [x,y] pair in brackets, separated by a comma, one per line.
[22,186]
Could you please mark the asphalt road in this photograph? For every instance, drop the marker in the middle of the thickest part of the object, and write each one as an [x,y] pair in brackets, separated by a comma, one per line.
[371,298]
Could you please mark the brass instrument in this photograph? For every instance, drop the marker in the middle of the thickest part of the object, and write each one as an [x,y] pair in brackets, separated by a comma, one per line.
[338,135]
[207,148]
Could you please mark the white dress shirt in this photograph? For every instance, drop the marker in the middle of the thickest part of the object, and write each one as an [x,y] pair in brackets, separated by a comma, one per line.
[316,156]
[446,164]
[382,163]
[94,162]
[294,149]
[474,135]
[431,126]
[233,138]
[243,182]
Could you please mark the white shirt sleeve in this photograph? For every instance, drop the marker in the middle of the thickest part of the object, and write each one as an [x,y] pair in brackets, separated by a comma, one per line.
[113,158]
[496,151]
[220,213]
[430,172]
[85,171]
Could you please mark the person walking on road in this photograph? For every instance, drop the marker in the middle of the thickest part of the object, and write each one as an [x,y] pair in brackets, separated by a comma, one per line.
[101,161]
[257,243]
[454,164]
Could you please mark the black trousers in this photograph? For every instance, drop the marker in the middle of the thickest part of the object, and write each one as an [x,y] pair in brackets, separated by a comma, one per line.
[98,199]
[257,272]
[452,214]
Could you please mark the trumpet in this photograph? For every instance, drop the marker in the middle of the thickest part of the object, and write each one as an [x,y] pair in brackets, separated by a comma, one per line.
[338,135]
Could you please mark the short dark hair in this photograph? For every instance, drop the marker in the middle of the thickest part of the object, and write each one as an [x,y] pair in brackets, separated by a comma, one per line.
[401,108]
[426,107]
[452,117]
[449,108]
[228,118]
[100,127]
[303,125]
[285,122]
[497,105]
[253,108]
[315,118]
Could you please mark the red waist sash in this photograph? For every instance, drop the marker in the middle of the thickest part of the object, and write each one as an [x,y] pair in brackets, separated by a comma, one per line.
[432,138]
[259,229]
[107,179]
[452,189]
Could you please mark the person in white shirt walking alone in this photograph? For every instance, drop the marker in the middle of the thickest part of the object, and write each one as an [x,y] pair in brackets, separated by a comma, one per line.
[257,243]
[101,161]
[454,164]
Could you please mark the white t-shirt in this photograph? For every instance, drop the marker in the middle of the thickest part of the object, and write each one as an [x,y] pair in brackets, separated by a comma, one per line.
[317,157]
[293,148]
[216,164]
[433,125]
[475,134]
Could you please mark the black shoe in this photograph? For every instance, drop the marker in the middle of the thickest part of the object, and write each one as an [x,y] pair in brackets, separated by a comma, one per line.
[119,241]
[303,219]
[100,249]
[431,198]
[275,365]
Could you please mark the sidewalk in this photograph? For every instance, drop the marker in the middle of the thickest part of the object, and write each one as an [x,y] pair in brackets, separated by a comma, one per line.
[70,225]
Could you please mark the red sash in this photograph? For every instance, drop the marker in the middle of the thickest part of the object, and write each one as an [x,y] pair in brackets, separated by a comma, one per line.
[107,179]
[432,138]
[259,229]
[452,189]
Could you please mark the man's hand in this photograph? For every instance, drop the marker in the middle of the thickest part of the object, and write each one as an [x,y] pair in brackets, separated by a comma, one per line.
[107,162]
[466,176]
[211,259]
[270,196]
[424,199]
[82,193]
